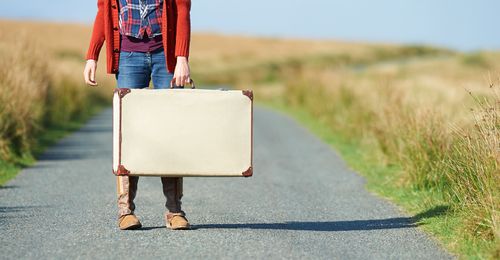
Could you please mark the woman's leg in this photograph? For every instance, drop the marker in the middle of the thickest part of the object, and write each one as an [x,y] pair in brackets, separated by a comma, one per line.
[172,186]
[161,77]
[133,72]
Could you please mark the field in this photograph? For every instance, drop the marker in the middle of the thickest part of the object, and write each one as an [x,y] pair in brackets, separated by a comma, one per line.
[421,123]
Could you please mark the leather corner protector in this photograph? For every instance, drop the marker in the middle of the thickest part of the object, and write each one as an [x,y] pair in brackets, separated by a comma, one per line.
[248,93]
[248,172]
[122,171]
[122,91]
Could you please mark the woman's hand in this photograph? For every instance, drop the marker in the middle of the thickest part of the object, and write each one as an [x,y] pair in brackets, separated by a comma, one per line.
[182,72]
[89,72]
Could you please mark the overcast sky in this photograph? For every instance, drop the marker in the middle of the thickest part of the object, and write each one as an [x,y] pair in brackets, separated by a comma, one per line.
[460,24]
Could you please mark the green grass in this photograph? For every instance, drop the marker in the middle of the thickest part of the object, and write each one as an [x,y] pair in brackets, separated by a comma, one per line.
[430,211]
[47,137]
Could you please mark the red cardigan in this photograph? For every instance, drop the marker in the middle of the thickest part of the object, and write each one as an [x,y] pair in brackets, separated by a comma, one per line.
[176,25]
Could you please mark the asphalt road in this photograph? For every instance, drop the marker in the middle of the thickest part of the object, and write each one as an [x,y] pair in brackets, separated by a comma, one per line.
[302,202]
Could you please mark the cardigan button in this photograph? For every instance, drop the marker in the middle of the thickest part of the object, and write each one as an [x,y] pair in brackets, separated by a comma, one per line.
[116,50]
[113,6]
[115,28]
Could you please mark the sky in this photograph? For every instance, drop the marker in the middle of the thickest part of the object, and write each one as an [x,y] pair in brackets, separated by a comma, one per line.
[466,25]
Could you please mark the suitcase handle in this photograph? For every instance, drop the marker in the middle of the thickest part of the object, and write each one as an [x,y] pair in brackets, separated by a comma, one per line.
[191,82]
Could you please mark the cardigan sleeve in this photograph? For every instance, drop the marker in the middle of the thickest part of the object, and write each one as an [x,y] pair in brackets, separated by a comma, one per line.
[97,39]
[183,30]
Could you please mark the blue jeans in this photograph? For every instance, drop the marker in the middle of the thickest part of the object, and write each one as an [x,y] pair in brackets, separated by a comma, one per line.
[136,69]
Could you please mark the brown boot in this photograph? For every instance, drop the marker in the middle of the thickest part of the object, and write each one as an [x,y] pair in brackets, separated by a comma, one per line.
[176,221]
[129,222]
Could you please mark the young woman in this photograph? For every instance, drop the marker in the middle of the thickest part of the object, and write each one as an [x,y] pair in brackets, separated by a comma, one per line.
[145,40]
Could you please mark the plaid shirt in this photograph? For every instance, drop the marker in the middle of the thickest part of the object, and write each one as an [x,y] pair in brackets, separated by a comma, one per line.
[140,16]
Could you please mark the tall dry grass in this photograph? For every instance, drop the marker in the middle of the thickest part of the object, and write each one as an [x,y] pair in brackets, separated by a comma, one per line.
[472,168]
[23,84]
[41,84]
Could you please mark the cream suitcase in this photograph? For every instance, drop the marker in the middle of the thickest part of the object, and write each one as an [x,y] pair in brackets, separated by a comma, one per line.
[182,132]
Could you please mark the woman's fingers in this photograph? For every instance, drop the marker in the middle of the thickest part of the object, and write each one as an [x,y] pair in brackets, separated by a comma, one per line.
[178,81]
[92,75]
[182,79]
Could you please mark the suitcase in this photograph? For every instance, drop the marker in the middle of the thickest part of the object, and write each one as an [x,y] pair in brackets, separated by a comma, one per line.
[182,132]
